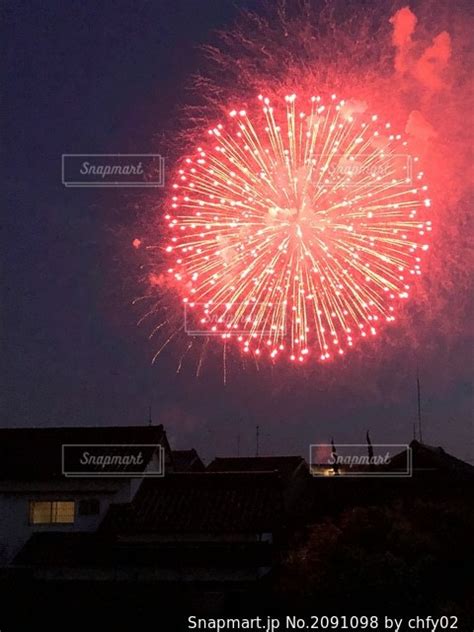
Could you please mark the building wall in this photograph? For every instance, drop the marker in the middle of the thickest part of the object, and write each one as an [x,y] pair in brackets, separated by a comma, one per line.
[15,527]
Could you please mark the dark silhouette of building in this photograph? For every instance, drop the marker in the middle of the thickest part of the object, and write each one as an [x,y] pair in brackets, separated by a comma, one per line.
[36,496]
[187,461]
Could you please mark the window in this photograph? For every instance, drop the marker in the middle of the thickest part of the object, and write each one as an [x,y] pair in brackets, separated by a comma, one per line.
[52,512]
[89,507]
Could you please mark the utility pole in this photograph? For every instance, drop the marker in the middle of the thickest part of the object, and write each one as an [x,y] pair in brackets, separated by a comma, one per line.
[370,450]
[257,440]
[334,455]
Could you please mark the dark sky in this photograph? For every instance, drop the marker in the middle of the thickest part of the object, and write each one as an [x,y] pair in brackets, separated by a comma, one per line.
[89,77]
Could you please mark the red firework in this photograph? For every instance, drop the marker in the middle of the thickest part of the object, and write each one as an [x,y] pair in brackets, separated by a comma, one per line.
[298,229]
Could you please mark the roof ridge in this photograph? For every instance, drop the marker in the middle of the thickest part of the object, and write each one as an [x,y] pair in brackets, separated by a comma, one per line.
[225,473]
[266,456]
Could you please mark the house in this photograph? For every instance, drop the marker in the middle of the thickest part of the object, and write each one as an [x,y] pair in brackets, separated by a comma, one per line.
[37,497]
[292,470]
[422,472]
[429,461]
[188,543]
[289,467]
[187,461]
[211,531]
[218,527]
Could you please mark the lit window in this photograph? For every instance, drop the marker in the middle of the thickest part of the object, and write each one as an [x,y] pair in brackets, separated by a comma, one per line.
[51,512]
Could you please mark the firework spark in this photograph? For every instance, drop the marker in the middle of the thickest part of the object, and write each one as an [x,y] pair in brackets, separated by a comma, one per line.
[297,230]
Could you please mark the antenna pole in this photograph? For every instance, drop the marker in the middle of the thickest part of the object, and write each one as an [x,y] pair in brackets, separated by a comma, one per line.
[419,407]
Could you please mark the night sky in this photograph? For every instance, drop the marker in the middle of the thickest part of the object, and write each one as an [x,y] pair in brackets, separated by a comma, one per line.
[88,77]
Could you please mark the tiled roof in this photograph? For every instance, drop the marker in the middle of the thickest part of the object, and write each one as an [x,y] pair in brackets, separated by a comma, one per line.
[36,453]
[187,461]
[202,503]
[433,459]
[285,465]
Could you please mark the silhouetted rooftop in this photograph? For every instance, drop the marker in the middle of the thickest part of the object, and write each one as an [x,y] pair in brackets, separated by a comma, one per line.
[187,461]
[201,503]
[284,465]
[432,459]
[36,453]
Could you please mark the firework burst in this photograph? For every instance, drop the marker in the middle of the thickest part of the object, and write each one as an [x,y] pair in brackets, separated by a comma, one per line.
[297,229]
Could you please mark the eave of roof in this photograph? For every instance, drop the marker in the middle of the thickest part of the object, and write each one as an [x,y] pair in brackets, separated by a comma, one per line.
[36,453]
